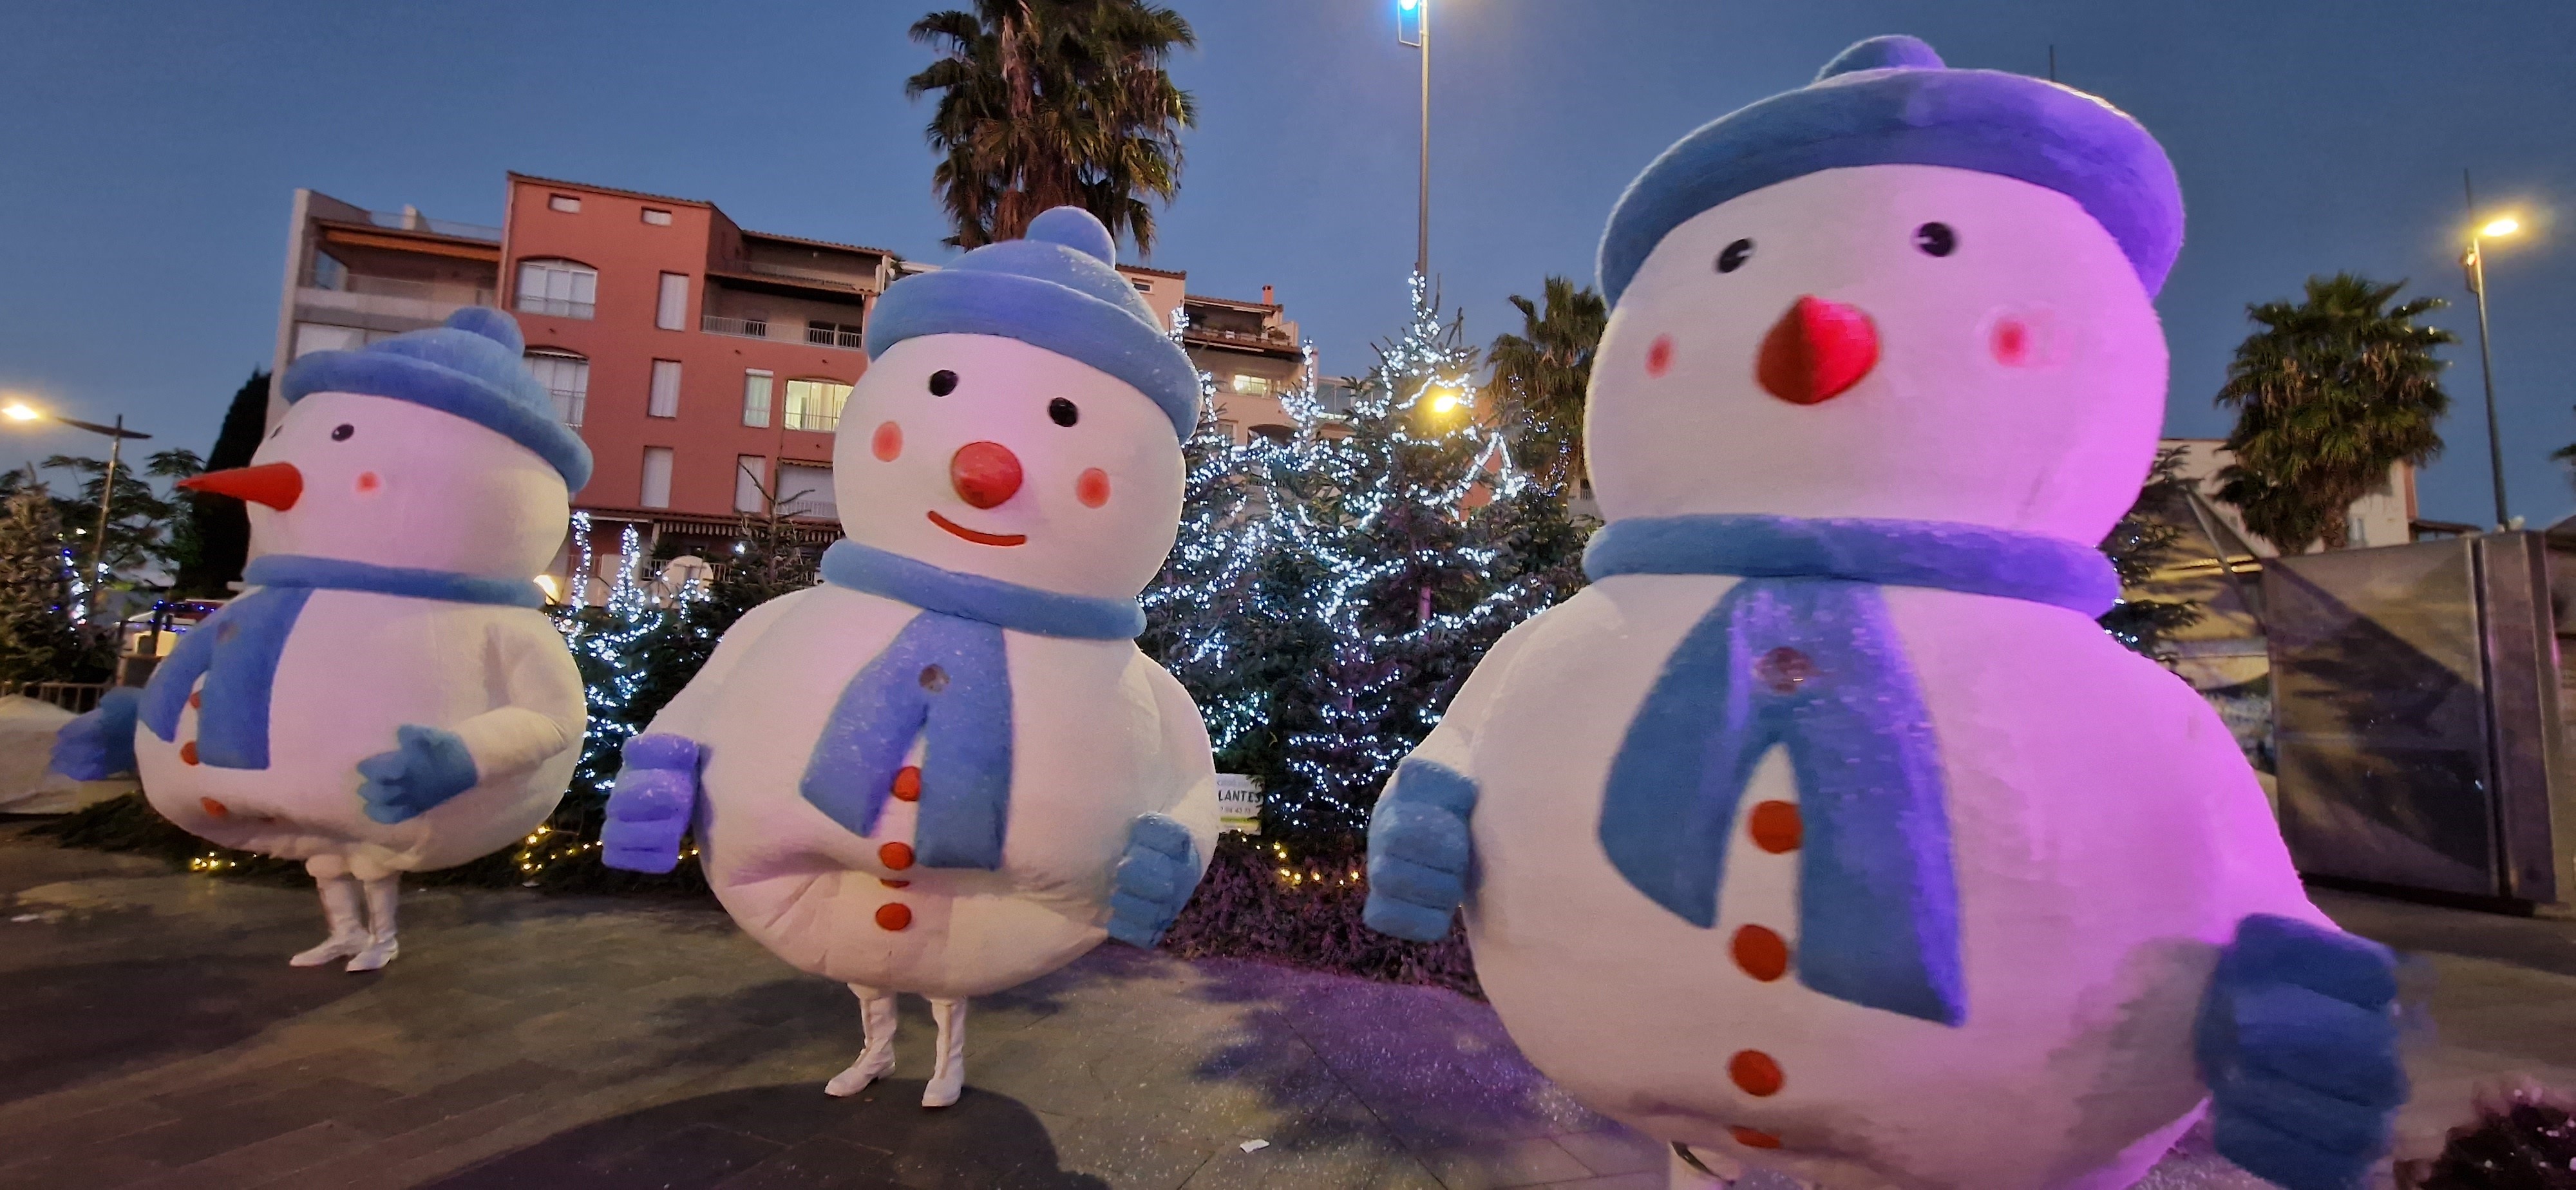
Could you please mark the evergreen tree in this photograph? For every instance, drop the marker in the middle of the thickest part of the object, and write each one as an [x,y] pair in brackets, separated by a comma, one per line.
[38,638]
[1541,377]
[2138,546]
[214,537]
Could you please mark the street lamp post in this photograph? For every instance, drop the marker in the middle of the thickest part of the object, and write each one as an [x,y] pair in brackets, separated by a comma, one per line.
[1418,13]
[2475,261]
[116,436]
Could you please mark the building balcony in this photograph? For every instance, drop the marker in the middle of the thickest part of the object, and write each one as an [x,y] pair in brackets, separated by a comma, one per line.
[838,336]
[1270,340]
[557,307]
[386,303]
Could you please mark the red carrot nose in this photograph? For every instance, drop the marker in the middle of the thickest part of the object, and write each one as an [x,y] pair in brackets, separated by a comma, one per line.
[984,473]
[1816,351]
[276,485]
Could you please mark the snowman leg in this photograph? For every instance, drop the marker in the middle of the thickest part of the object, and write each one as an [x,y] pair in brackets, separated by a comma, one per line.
[339,911]
[1701,1169]
[382,892]
[948,1077]
[876,1047]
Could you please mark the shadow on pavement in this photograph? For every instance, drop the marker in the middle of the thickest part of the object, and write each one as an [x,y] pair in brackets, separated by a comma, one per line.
[795,1136]
[71,1024]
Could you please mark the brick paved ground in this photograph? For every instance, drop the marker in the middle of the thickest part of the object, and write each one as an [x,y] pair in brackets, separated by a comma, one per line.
[151,1035]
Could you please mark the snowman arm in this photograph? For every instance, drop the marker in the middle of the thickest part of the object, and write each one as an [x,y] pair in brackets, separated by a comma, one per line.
[545,714]
[1421,850]
[2297,1040]
[1167,851]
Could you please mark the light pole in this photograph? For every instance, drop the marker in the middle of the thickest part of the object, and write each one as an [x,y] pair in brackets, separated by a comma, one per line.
[116,436]
[1417,15]
[2475,261]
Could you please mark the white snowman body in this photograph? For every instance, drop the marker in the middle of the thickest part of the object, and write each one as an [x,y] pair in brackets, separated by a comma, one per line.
[1099,734]
[2106,834]
[403,486]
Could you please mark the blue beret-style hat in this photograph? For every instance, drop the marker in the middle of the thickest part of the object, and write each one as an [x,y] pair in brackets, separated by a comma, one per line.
[1890,101]
[1057,289]
[473,367]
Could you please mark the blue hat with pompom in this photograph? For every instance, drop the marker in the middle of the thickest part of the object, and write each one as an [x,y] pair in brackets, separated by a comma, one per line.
[1891,101]
[474,367]
[1056,289]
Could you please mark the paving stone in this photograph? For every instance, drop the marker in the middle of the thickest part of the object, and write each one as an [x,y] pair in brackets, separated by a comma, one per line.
[1615,1151]
[1533,1162]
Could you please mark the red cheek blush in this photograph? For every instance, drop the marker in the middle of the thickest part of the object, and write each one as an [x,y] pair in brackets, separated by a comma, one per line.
[2010,342]
[888,442]
[1659,355]
[367,481]
[1091,487]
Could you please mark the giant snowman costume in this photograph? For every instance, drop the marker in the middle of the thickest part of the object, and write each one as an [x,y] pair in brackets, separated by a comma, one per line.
[947,769]
[1826,833]
[384,696]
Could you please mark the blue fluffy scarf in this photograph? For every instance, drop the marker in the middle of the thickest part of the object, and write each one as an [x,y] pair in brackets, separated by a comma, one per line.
[1801,656]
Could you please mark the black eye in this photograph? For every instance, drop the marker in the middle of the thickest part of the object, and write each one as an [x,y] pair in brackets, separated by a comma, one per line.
[943,382]
[1063,412]
[341,432]
[1936,239]
[1734,256]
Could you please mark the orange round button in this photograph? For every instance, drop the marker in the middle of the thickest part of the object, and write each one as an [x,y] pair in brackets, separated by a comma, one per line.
[896,883]
[893,916]
[197,698]
[1753,1071]
[1775,827]
[907,783]
[188,752]
[1762,953]
[213,808]
[1753,1139]
[896,856]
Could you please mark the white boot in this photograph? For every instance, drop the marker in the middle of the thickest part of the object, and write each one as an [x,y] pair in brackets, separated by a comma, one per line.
[876,1046]
[381,947]
[948,1077]
[340,912]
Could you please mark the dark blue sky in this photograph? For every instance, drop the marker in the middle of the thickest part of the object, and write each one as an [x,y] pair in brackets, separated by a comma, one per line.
[148,151]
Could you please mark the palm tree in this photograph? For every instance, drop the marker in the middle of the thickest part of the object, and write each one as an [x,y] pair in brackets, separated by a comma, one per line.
[1540,376]
[2331,392]
[1048,103]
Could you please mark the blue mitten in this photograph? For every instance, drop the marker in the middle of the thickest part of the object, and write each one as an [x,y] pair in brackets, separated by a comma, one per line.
[1155,879]
[100,744]
[2298,1044]
[1419,851]
[428,766]
[655,798]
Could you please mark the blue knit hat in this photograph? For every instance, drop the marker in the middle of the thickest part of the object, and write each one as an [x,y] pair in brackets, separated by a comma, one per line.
[1890,101]
[1057,289]
[473,367]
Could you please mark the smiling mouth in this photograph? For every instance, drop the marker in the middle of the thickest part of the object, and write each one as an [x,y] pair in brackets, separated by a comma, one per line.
[978,538]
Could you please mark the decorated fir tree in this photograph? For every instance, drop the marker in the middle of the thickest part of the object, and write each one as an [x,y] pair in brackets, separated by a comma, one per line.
[38,640]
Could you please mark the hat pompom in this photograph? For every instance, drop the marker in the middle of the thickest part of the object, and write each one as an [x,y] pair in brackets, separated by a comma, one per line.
[1893,52]
[1075,228]
[491,324]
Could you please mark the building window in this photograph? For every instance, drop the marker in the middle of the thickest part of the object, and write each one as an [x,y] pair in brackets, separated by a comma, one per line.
[835,334]
[322,336]
[328,272]
[665,401]
[805,489]
[750,477]
[558,287]
[1252,386]
[657,478]
[671,313]
[755,398]
[1141,286]
[815,404]
[657,216]
[564,203]
[566,378]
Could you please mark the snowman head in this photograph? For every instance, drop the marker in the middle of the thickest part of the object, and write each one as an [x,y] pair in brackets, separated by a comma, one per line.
[1020,419]
[1904,292]
[432,451]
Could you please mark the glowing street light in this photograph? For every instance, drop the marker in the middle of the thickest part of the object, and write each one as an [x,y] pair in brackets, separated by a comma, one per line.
[19,411]
[2475,261]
